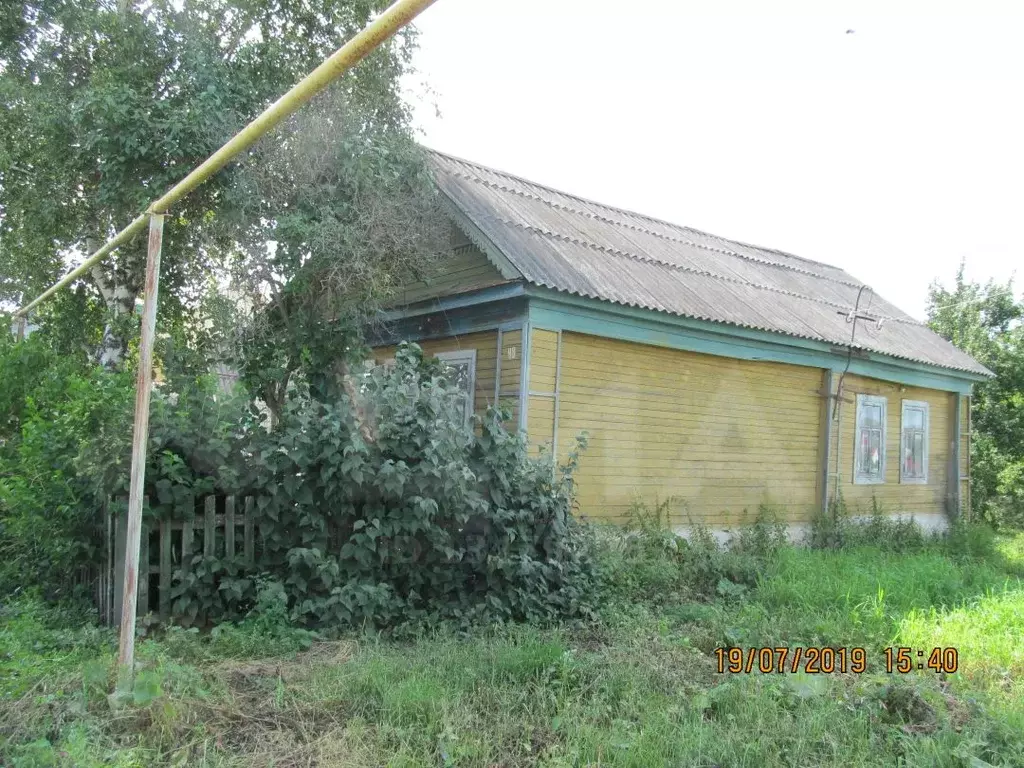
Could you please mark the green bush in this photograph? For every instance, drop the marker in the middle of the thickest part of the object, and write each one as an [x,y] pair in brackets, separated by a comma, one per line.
[1005,507]
[65,448]
[266,631]
[406,517]
[384,512]
[48,513]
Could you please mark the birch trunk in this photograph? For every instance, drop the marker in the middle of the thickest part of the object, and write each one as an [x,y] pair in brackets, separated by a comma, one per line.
[118,289]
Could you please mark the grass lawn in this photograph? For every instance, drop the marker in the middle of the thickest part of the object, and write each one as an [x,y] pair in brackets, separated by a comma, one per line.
[640,687]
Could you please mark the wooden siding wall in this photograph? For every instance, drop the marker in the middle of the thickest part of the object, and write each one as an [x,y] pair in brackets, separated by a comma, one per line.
[719,434]
[511,368]
[965,455]
[929,498]
[722,435]
[464,269]
[486,346]
[543,389]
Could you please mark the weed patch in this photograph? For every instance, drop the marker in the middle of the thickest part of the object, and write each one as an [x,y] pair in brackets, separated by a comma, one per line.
[639,687]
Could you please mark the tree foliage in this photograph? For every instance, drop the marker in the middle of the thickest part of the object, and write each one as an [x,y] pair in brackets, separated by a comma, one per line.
[51,406]
[107,104]
[336,211]
[986,322]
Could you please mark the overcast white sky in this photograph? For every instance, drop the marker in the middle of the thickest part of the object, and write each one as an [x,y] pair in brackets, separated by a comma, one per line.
[892,151]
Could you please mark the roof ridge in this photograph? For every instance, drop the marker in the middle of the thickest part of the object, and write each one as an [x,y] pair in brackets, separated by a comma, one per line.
[852,281]
[706,273]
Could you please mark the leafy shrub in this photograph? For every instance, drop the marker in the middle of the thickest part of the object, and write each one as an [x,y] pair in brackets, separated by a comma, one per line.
[48,515]
[402,514]
[1005,507]
[65,448]
[266,631]
[382,512]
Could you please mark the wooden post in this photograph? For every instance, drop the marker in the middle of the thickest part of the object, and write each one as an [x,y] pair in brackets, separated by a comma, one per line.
[165,570]
[229,527]
[210,527]
[140,436]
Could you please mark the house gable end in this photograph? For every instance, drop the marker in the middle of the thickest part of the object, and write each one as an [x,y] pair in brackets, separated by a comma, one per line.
[465,267]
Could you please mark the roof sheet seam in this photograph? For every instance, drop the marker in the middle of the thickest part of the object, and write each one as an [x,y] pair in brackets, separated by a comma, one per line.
[652,233]
[645,217]
[651,260]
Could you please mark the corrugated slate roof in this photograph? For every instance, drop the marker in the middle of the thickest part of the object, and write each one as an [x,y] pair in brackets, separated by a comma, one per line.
[581,247]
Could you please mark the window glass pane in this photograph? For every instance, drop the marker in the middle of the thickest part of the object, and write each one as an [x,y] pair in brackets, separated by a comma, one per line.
[872,416]
[918,451]
[913,418]
[460,374]
[874,465]
[913,453]
[869,448]
[908,453]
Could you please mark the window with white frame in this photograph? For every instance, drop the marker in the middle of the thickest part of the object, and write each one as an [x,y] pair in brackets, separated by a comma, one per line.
[914,442]
[869,449]
[462,364]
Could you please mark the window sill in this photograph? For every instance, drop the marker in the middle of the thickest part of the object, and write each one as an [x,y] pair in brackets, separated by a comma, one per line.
[913,481]
[868,481]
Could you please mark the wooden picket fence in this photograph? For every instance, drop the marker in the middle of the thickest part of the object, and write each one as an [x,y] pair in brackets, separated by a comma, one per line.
[223,526]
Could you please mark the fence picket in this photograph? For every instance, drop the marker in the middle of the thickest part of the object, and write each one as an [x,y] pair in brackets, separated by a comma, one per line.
[165,569]
[187,529]
[210,536]
[249,542]
[145,567]
[159,538]
[229,526]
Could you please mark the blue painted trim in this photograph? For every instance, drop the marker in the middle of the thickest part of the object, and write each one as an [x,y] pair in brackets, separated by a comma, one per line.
[457,301]
[524,375]
[572,313]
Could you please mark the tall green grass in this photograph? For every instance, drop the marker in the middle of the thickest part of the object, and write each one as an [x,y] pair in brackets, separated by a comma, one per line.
[637,688]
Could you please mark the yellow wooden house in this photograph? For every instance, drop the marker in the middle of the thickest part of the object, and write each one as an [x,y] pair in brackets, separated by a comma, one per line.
[721,374]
